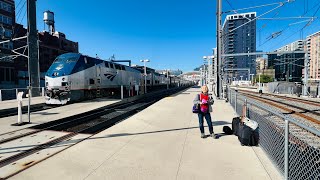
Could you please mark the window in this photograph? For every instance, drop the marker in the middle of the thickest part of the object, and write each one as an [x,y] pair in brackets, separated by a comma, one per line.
[7,33]
[5,19]
[111,65]
[64,84]
[2,74]
[5,6]
[123,68]
[117,66]
[107,64]
[91,81]
[9,20]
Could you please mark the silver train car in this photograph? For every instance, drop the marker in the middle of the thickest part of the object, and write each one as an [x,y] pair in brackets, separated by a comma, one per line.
[75,77]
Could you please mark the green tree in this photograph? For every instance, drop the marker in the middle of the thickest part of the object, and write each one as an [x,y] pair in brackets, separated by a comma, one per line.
[264,78]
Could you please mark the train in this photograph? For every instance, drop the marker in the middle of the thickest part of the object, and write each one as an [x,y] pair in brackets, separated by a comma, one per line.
[75,77]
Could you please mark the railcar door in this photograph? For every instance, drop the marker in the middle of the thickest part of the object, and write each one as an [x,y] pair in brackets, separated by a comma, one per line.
[98,80]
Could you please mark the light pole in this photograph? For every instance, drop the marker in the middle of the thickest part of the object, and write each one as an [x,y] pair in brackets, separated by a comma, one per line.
[168,78]
[201,77]
[251,77]
[145,74]
[209,71]
[259,83]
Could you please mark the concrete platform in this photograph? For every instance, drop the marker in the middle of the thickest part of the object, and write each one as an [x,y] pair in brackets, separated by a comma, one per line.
[13,103]
[161,142]
[53,114]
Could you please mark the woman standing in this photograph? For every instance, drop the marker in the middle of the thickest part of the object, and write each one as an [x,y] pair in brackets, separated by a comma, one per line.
[205,101]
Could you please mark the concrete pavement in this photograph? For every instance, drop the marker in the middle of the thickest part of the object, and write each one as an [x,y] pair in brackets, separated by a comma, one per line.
[161,142]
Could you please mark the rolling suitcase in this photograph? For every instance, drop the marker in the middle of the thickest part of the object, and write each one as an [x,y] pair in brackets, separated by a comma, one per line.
[247,136]
[235,125]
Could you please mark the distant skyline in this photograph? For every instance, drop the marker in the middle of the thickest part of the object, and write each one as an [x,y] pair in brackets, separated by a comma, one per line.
[173,34]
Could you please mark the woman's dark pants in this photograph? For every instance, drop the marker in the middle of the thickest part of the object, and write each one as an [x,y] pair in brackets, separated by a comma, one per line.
[208,118]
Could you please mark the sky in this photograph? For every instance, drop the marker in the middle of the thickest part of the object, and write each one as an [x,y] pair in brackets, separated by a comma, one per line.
[173,34]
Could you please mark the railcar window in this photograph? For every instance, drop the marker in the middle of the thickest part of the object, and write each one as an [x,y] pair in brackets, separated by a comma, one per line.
[107,64]
[123,68]
[117,66]
[111,65]
[91,81]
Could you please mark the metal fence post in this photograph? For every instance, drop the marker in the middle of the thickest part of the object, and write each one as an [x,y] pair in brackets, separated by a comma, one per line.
[230,97]
[0,95]
[16,93]
[246,108]
[42,89]
[286,150]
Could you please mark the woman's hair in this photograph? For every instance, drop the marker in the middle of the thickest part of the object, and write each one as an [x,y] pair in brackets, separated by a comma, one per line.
[204,89]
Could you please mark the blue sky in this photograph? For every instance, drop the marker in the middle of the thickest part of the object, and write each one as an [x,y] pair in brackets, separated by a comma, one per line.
[173,34]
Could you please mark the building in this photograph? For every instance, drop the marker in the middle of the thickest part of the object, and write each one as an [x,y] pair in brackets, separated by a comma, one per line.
[261,63]
[14,69]
[171,72]
[239,36]
[288,66]
[313,49]
[7,21]
[194,76]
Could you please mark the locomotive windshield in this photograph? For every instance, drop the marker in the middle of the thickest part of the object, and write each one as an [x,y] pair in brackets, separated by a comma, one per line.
[63,65]
[67,58]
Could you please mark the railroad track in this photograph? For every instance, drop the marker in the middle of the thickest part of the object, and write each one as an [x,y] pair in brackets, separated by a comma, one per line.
[89,123]
[310,102]
[292,106]
[303,144]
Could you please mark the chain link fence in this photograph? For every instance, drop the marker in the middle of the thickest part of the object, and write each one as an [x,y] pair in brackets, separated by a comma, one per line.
[293,147]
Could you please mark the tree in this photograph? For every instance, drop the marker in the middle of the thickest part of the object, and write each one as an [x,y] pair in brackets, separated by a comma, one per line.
[263,78]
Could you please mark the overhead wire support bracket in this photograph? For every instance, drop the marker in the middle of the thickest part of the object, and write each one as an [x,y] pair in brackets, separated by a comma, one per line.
[259,6]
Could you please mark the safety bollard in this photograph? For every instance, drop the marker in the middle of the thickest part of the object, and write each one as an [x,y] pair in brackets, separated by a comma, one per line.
[42,91]
[19,99]
[121,92]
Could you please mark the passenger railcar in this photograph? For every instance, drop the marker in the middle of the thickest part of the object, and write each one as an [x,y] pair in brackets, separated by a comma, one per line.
[74,77]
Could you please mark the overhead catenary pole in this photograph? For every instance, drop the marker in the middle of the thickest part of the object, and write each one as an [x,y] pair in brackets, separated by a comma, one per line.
[306,74]
[33,60]
[219,48]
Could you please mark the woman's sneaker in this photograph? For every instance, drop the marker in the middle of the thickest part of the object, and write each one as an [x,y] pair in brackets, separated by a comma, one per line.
[215,136]
[202,135]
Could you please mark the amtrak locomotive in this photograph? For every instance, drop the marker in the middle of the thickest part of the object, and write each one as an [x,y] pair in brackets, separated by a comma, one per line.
[74,77]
